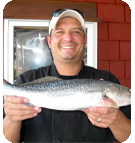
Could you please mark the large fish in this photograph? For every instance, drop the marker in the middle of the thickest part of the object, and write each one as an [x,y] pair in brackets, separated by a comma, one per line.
[77,94]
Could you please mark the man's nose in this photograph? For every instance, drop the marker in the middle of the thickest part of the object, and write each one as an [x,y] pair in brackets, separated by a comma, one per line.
[67,36]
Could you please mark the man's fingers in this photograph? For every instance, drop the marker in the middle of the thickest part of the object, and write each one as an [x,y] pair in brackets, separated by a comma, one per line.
[106,115]
[101,79]
[13,107]
[21,112]
[19,106]
[102,110]
[16,110]
[20,118]
[16,100]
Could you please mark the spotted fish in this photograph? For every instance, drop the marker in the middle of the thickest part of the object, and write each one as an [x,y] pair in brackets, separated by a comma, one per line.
[77,94]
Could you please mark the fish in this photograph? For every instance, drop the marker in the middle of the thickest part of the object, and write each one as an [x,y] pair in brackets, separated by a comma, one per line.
[76,94]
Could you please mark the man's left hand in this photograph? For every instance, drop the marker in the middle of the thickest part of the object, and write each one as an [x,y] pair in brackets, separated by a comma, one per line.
[102,116]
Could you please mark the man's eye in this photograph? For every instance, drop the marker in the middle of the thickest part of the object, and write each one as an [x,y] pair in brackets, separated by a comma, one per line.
[76,32]
[59,32]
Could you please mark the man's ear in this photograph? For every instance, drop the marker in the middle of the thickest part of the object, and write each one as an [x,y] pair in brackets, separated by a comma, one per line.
[49,41]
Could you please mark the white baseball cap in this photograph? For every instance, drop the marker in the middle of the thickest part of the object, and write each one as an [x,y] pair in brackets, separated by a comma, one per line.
[60,13]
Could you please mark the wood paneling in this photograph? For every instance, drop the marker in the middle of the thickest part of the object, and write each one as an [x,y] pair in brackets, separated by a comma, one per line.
[42,9]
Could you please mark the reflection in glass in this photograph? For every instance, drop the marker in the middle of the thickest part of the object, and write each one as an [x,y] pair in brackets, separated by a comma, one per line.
[30,49]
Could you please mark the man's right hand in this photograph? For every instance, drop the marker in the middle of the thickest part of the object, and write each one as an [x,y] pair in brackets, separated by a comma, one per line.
[15,109]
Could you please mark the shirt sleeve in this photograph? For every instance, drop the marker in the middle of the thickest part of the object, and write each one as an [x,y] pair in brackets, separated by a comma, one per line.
[19,81]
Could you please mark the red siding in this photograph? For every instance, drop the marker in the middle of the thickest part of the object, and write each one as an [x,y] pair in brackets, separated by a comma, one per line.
[119,31]
[108,50]
[125,50]
[120,2]
[111,12]
[128,14]
[102,1]
[103,65]
[78,0]
[114,38]
[125,82]
[128,69]
[103,31]
[117,68]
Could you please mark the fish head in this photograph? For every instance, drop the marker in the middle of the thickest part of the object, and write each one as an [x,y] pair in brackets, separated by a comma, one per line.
[121,95]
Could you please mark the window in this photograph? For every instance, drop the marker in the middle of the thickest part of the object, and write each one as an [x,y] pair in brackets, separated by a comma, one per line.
[25,46]
[31,49]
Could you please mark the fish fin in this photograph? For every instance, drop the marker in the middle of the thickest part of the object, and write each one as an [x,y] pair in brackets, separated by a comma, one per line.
[109,102]
[29,104]
[84,108]
[6,82]
[52,78]
[42,80]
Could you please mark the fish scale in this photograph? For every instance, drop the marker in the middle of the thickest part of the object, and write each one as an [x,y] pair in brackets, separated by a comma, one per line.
[55,93]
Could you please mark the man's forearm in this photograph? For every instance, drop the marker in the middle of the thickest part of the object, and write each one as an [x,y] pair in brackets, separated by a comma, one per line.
[11,130]
[121,128]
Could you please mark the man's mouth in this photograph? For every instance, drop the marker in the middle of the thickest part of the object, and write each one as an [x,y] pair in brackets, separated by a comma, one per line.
[68,47]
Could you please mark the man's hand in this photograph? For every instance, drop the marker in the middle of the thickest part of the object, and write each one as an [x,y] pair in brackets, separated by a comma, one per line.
[113,118]
[15,109]
[102,116]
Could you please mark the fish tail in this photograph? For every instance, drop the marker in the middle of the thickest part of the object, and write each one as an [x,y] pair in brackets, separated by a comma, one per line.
[6,82]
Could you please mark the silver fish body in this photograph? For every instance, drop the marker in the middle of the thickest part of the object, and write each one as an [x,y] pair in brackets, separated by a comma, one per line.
[74,94]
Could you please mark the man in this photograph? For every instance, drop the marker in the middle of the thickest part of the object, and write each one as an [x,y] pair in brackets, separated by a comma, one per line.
[22,123]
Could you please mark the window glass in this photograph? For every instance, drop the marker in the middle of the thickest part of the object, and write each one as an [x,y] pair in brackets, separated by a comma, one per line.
[31,50]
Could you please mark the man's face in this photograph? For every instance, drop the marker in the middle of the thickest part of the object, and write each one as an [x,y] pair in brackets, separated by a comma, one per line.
[67,41]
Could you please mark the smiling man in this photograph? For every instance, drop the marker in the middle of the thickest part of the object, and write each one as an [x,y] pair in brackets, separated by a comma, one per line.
[67,39]
[67,43]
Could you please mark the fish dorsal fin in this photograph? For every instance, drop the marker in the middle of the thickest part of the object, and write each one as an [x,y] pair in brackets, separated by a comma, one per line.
[42,80]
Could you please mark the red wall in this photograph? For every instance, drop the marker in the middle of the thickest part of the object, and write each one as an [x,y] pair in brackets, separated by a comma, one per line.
[114,38]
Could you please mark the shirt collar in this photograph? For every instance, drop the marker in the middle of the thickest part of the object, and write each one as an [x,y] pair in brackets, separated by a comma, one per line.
[55,73]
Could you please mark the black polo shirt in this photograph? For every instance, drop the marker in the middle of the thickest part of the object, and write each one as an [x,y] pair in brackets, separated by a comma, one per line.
[65,126]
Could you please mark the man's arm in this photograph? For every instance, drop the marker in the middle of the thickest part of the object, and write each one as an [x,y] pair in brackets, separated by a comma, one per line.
[16,112]
[11,130]
[113,118]
[121,127]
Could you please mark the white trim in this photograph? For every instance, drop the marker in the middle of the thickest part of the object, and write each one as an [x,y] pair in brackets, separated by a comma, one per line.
[9,25]
[91,43]
[6,53]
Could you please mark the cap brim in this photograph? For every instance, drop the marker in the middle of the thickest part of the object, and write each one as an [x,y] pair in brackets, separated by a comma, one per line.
[67,13]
